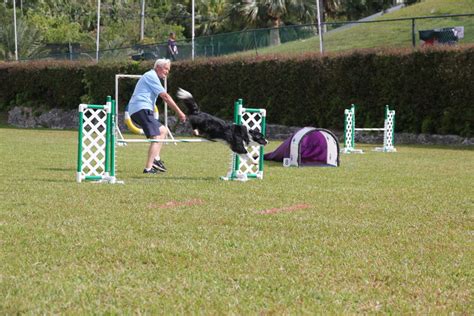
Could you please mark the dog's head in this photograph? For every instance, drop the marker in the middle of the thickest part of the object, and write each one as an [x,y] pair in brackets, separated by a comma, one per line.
[256,138]
[188,100]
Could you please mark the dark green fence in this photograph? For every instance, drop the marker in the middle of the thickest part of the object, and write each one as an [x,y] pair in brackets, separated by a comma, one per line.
[337,36]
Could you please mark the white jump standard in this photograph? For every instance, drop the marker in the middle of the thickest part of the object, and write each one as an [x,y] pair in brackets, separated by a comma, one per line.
[350,129]
[96,143]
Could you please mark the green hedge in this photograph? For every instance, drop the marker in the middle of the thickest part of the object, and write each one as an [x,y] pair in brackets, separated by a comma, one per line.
[432,91]
[42,85]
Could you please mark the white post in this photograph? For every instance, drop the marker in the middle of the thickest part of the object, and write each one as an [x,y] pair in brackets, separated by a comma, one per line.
[142,21]
[192,31]
[166,104]
[320,30]
[98,32]
[14,27]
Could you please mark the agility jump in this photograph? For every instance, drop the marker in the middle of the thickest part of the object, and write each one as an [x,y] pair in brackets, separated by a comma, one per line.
[97,143]
[350,129]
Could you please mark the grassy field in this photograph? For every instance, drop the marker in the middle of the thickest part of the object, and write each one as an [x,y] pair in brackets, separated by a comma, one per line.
[387,34]
[390,233]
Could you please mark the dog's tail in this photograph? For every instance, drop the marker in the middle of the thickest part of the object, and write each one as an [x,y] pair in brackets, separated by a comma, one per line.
[188,100]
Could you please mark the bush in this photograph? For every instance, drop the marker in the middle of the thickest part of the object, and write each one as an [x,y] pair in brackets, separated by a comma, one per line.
[430,90]
[41,84]
[314,90]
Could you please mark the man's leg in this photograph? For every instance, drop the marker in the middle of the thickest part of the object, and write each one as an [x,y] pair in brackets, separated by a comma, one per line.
[153,151]
[152,127]
[155,148]
[157,162]
[163,134]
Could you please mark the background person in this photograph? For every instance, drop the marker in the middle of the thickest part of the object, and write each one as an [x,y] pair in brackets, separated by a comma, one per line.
[172,47]
[141,108]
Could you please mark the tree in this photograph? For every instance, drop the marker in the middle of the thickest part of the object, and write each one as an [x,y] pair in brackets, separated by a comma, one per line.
[213,16]
[28,39]
[353,9]
[57,30]
[274,13]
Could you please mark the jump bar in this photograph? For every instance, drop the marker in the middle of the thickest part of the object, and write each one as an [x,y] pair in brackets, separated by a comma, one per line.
[198,140]
[369,129]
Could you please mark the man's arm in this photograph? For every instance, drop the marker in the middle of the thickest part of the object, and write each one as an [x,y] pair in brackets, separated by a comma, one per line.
[169,100]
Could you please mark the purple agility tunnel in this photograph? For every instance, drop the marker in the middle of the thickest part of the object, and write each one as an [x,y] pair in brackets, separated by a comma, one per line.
[308,147]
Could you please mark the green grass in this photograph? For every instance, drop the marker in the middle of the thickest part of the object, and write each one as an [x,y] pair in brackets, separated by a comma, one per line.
[390,233]
[388,34]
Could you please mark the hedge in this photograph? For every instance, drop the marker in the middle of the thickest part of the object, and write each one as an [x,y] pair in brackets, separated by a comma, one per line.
[432,90]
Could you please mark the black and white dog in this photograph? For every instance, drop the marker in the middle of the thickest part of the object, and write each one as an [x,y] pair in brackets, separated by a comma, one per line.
[216,129]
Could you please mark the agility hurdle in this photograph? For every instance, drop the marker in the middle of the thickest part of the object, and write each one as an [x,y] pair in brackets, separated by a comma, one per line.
[350,129]
[243,169]
[96,143]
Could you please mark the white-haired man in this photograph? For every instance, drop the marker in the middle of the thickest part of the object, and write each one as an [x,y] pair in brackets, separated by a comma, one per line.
[141,109]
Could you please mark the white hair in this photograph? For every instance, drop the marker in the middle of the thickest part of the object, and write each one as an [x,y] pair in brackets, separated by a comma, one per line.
[162,62]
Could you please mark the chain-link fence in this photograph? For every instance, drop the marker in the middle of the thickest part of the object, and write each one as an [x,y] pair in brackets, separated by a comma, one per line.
[337,36]
[406,32]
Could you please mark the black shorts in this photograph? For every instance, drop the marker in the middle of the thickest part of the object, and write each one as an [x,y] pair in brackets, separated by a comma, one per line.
[146,120]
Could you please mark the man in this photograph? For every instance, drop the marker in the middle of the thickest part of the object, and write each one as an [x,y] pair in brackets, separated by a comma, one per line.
[141,107]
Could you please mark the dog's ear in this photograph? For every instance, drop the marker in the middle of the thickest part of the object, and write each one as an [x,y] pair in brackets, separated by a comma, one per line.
[239,135]
[187,98]
[183,94]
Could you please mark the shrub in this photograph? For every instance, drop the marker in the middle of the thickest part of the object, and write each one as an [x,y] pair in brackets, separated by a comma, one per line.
[430,89]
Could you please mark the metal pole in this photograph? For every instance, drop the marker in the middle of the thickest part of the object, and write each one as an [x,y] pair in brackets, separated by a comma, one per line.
[413,37]
[255,42]
[192,31]
[98,32]
[142,21]
[320,30]
[14,27]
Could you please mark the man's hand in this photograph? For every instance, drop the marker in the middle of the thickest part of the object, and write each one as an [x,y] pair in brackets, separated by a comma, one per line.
[169,100]
[182,116]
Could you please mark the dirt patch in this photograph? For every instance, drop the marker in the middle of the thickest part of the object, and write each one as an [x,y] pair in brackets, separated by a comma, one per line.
[175,204]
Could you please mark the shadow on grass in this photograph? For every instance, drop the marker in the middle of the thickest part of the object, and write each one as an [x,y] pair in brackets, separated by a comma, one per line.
[154,177]
[146,178]
[271,163]
[58,169]
[72,180]
[443,147]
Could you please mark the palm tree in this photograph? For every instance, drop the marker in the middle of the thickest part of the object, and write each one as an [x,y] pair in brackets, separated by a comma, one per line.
[214,14]
[274,13]
[28,40]
[333,7]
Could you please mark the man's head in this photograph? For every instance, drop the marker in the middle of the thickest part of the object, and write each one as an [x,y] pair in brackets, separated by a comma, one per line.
[162,67]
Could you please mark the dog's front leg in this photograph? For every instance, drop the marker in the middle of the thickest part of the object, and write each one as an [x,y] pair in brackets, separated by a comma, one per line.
[196,132]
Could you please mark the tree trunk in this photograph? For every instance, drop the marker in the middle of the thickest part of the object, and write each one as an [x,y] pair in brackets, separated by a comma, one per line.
[275,32]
